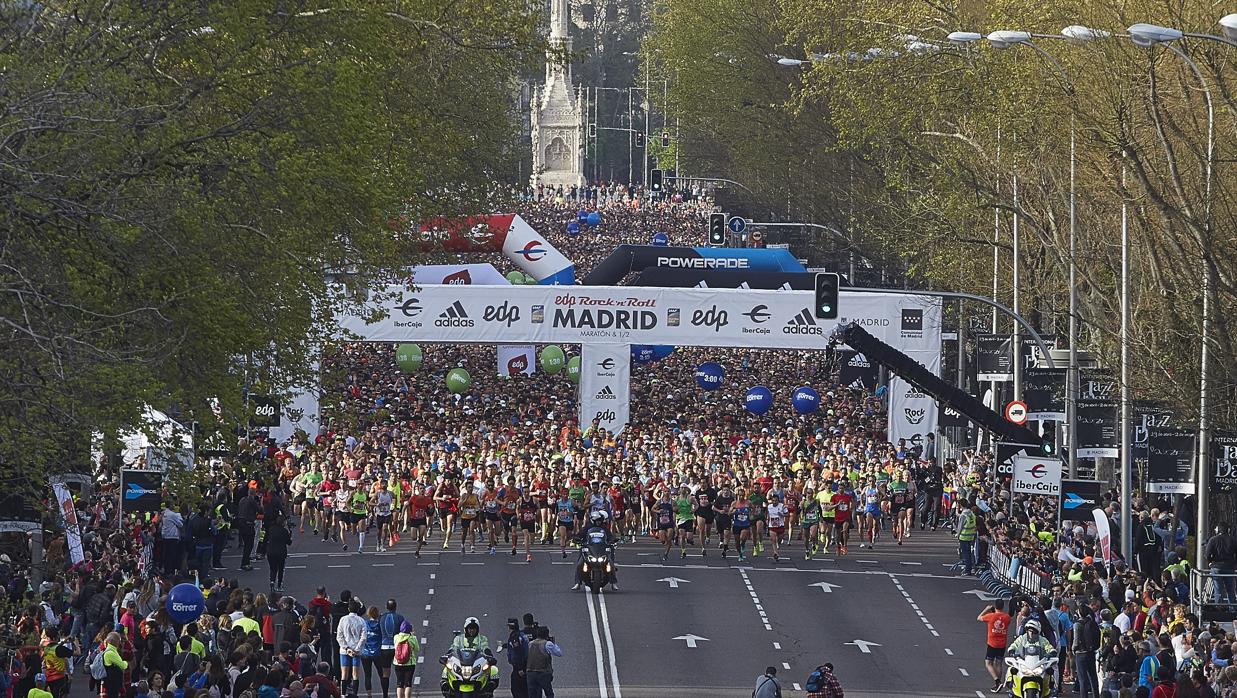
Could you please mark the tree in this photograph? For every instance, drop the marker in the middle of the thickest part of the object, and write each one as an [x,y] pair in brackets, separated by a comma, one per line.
[178,179]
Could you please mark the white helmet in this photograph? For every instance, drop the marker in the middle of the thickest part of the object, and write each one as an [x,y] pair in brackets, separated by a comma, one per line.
[597,518]
[472,622]
[1031,625]
[617,480]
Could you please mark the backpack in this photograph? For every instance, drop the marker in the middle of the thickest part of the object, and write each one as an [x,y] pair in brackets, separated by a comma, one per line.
[98,670]
[403,652]
[816,681]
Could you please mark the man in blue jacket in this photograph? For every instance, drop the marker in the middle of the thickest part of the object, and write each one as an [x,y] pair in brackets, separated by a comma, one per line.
[517,655]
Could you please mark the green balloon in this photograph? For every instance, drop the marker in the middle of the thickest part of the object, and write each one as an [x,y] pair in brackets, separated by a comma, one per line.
[529,281]
[409,357]
[458,380]
[552,359]
[515,277]
[573,369]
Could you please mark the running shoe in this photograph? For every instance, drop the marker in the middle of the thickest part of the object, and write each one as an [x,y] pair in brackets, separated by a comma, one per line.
[444,544]
[663,557]
[492,551]
[528,557]
[807,555]
[513,550]
[682,554]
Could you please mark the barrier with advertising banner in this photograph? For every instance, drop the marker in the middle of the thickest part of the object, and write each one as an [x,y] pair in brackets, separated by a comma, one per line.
[141,491]
[1034,475]
[718,278]
[1078,498]
[459,275]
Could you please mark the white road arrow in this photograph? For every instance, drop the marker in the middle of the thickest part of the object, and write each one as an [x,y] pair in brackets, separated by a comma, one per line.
[693,639]
[982,595]
[863,645]
[826,586]
[675,581]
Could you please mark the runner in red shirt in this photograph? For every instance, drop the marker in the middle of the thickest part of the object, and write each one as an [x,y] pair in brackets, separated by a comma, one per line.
[418,516]
[841,504]
[998,636]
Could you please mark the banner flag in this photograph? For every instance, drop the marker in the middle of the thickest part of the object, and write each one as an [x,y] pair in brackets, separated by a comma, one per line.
[605,372]
[64,499]
[1043,389]
[994,357]
[516,358]
[1170,461]
[1097,429]
[141,491]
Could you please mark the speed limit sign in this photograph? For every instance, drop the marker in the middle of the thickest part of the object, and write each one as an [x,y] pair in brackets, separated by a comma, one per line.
[1016,412]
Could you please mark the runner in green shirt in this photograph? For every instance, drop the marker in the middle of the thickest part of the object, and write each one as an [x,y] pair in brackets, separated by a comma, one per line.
[809,519]
[685,519]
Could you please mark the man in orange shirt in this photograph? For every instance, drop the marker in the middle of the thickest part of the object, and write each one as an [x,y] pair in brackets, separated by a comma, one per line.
[998,635]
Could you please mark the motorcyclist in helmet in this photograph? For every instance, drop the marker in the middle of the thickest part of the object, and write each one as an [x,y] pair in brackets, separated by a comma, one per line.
[472,639]
[597,524]
[1032,637]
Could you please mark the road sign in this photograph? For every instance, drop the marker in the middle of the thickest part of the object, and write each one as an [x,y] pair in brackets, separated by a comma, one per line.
[863,645]
[826,586]
[758,235]
[693,639]
[1016,412]
[674,581]
[737,224]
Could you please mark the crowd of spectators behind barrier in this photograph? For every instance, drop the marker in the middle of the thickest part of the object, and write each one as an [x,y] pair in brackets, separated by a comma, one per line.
[383,423]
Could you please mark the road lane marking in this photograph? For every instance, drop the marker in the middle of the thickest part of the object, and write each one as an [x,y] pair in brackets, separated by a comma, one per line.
[433,576]
[797,686]
[949,652]
[785,665]
[777,645]
[605,623]
[384,564]
[964,671]
[914,606]
[337,566]
[601,668]
[755,599]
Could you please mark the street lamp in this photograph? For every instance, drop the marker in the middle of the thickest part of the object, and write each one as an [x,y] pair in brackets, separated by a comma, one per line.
[1147,36]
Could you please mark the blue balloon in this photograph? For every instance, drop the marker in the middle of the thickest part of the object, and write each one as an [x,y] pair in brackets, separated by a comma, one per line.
[594,218]
[758,400]
[573,228]
[709,375]
[805,400]
[185,603]
[582,216]
[660,239]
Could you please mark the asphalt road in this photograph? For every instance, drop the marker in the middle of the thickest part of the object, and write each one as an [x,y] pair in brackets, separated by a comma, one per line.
[895,621]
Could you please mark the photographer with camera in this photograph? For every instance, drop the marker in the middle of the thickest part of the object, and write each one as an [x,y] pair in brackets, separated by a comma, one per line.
[517,654]
[540,672]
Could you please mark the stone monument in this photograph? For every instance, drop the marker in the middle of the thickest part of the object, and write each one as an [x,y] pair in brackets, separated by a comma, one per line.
[558,113]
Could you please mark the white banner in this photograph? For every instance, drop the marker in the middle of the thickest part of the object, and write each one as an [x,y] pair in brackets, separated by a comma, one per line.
[605,372]
[68,512]
[458,275]
[516,358]
[912,413]
[1103,534]
[1037,476]
[638,315]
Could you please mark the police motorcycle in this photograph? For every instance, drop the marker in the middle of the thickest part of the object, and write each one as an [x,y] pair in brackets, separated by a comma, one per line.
[1031,671]
[596,565]
[468,668]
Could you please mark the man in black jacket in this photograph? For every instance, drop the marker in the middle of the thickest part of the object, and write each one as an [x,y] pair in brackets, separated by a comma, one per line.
[246,514]
[1086,644]
[1221,557]
[1147,546]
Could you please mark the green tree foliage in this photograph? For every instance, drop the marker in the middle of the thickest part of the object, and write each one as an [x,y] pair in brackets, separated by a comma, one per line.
[912,145]
[177,178]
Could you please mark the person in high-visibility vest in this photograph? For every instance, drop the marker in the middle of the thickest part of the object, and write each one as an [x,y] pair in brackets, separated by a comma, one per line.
[966,537]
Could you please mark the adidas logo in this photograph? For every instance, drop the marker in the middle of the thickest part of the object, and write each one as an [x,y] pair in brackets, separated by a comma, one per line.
[803,323]
[859,361]
[605,394]
[454,316]
[701,284]
[785,286]
[857,384]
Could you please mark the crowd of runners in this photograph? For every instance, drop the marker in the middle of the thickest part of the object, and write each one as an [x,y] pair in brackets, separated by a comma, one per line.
[504,469]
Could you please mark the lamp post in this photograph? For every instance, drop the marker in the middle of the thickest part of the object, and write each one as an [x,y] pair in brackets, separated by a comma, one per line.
[1147,36]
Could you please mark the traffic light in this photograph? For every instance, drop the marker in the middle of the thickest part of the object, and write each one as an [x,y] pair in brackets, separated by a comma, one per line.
[665,139]
[1047,447]
[717,229]
[639,140]
[655,178]
[827,295]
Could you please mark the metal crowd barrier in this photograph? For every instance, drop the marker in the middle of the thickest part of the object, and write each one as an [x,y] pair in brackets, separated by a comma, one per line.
[1208,597]
[1023,578]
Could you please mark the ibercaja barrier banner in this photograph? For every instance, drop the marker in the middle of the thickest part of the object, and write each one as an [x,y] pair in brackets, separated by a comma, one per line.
[140,491]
